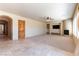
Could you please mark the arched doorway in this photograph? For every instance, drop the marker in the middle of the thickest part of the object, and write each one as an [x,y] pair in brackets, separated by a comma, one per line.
[5,27]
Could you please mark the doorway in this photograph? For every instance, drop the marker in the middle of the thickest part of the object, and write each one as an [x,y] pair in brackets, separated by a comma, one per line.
[21,29]
[2,26]
[5,28]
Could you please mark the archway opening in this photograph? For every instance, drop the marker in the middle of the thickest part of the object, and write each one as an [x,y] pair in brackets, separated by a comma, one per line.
[5,28]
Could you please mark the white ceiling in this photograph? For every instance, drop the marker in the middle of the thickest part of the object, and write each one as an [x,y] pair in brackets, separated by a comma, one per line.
[39,11]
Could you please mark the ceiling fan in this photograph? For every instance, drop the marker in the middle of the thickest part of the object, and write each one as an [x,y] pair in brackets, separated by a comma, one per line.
[48,19]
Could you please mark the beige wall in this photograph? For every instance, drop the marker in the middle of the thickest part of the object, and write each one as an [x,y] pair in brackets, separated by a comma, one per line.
[32,27]
[35,28]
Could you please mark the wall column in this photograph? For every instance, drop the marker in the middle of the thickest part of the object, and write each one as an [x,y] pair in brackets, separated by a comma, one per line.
[62,28]
[15,30]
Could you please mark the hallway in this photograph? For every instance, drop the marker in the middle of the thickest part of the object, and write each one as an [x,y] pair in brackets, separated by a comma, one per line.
[4,38]
[5,28]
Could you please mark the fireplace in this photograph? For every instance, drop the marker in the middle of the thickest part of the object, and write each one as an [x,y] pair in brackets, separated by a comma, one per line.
[66,32]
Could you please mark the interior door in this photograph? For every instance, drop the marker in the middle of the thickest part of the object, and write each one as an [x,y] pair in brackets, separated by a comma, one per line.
[21,29]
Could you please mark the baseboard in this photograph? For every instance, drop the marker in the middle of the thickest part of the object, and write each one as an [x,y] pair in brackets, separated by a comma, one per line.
[35,35]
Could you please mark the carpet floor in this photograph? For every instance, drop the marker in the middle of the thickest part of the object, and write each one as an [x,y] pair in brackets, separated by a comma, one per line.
[44,45]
